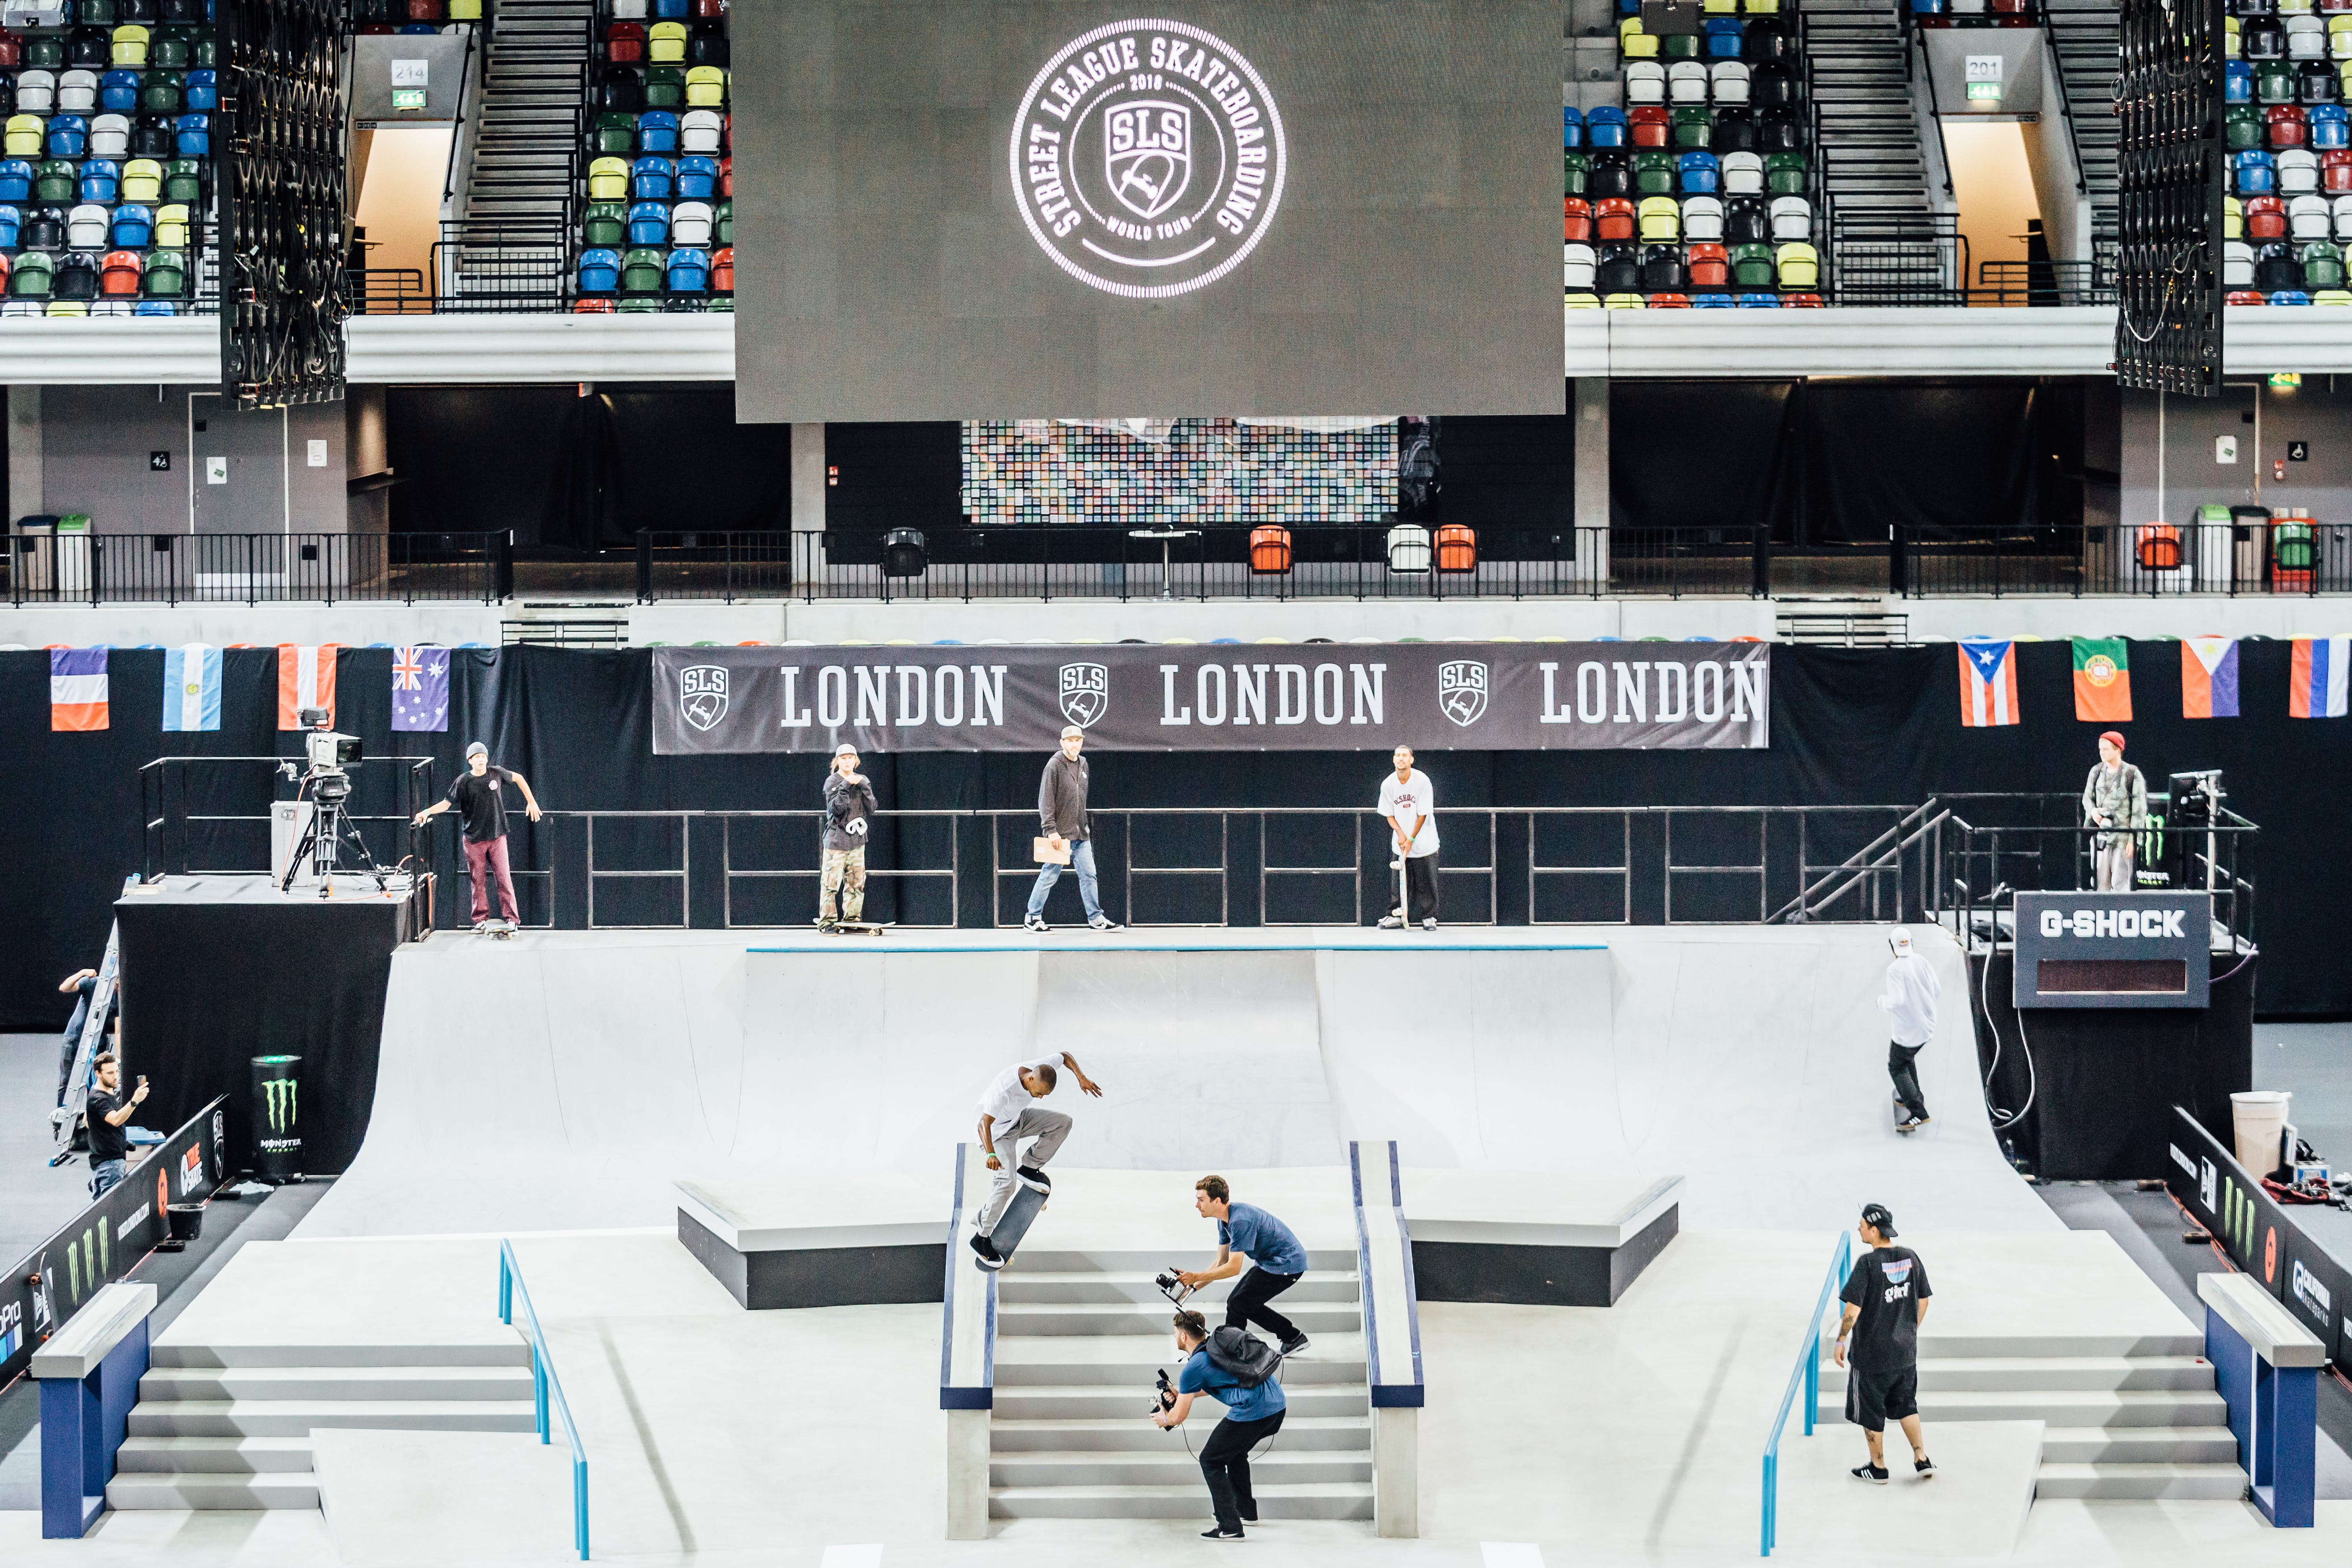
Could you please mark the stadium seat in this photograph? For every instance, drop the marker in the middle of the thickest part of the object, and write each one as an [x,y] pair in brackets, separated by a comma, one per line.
[1699,173]
[600,270]
[44,51]
[604,224]
[2306,38]
[620,91]
[1612,172]
[55,181]
[1575,220]
[76,277]
[85,227]
[142,181]
[165,276]
[1615,218]
[1694,129]
[2255,173]
[1457,548]
[2156,547]
[690,224]
[1605,127]
[110,136]
[163,93]
[722,271]
[36,93]
[77,92]
[1269,549]
[184,180]
[592,305]
[30,277]
[1646,82]
[1584,301]
[1752,267]
[2284,127]
[1577,267]
[2277,269]
[666,43]
[1660,220]
[1662,270]
[2236,263]
[657,132]
[1618,270]
[1784,174]
[722,220]
[1408,548]
[1799,266]
[2329,128]
[2274,82]
[2243,127]
[701,131]
[2233,218]
[2265,219]
[1634,44]
[1713,302]
[1782,131]
[1733,132]
[2298,172]
[643,270]
[1686,81]
[1652,126]
[689,272]
[629,10]
[68,136]
[1748,221]
[652,179]
[24,136]
[1703,220]
[706,49]
[1792,219]
[2316,83]
[151,137]
[608,180]
[12,220]
[1572,126]
[2237,82]
[615,134]
[2307,218]
[697,178]
[2262,38]
[1654,173]
[1710,267]
[171,225]
[649,224]
[2323,265]
[1575,174]
[624,44]
[1760,301]
[203,90]
[1743,175]
[59,305]
[117,91]
[1731,82]
[118,274]
[1725,38]
[193,136]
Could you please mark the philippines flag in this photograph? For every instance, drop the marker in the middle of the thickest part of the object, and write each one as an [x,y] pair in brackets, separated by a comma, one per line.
[192,688]
[2316,678]
[78,689]
[420,689]
[1988,684]
[305,679]
[2208,678]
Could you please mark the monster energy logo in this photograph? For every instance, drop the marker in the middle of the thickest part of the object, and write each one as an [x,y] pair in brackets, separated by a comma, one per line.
[279,1102]
[2238,1217]
[91,1250]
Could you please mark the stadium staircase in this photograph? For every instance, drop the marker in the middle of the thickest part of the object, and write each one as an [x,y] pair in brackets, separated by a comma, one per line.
[2087,36]
[1079,1336]
[229,1428]
[513,234]
[2136,1420]
[1880,239]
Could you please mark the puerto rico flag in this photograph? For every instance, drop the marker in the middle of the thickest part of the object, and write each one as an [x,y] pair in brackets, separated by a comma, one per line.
[1988,684]
[192,688]
[305,679]
[420,689]
[2315,687]
[78,689]
[2208,678]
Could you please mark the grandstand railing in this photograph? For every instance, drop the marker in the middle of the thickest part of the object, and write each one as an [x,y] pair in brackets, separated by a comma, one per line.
[2044,283]
[256,568]
[2251,554]
[1887,258]
[1200,562]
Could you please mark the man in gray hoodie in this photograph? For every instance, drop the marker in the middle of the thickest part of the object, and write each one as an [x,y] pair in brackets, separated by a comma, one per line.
[1062,814]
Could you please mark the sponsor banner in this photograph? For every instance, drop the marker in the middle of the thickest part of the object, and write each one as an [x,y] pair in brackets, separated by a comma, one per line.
[107,1239]
[278,1116]
[2314,1288]
[1216,697]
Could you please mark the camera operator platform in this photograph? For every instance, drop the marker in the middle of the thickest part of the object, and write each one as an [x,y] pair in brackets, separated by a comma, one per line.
[327,756]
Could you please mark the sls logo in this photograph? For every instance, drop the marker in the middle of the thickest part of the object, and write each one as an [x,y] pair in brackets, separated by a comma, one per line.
[702,694]
[1462,690]
[1085,693]
[1148,159]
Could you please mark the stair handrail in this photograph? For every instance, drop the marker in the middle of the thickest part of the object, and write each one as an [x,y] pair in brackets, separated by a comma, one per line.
[2065,98]
[1919,41]
[545,1387]
[1871,857]
[1807,1374]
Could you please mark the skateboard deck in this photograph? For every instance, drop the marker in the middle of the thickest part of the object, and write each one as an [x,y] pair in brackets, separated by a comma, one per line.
[1019,1215]
[504,931]
[861,928]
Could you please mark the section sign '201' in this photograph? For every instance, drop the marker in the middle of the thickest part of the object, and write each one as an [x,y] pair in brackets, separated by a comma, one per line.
[1148,158]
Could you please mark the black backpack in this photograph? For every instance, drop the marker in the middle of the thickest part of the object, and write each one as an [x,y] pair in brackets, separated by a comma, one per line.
[1242,1356]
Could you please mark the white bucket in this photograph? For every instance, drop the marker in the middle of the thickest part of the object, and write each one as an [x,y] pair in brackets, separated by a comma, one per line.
[2258,1119]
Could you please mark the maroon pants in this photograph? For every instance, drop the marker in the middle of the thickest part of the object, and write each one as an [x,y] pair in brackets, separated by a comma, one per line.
[481,859]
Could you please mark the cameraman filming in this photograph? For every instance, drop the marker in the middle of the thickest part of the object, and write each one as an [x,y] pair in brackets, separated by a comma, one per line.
[483,809]
[1252,1411]
[1245,1230]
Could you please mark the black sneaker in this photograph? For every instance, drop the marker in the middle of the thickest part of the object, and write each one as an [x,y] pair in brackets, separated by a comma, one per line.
[1295,1347]
[1924,1469]
[1875,1474]
[1038,1179]
[1249,1514]
[986,1248]
[1220,1534]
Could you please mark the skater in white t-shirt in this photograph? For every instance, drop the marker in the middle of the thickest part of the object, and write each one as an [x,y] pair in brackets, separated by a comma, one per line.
[1409,801]
[1912,995]
[1009,1116]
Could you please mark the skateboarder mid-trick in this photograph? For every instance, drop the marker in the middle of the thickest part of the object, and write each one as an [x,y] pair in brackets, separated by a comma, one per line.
[1008,1115]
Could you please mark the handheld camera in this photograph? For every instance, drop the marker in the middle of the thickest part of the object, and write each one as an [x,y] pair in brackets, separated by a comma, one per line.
[1164,1396]
[1174,1289]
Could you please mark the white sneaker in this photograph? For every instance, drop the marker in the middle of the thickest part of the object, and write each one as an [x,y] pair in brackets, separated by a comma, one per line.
[1429,923]
[1103,922]
[1035,922]
[1392,922]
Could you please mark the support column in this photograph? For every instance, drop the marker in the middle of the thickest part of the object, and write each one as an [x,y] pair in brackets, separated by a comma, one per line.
[967,1465]
[1591,414]
[808,478]
[24,453]
[1396,1473]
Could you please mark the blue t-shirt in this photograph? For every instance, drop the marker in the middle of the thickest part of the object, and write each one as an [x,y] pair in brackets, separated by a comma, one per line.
[1242,1403]
[1263,1239]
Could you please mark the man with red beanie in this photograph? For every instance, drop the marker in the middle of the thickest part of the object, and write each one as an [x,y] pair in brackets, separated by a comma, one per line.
[2115,797]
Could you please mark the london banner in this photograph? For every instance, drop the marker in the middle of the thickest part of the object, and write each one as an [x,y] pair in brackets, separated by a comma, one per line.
[1294,696]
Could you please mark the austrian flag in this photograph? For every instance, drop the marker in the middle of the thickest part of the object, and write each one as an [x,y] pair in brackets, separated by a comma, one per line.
[305,679]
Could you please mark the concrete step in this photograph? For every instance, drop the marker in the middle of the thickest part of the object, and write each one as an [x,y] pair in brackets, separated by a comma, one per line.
[1131,1359]
[285,1383]
[1991,1374]
[294,1419]
[211,1493]
[1023,1287]
[1325,1499]
[1172,1465]
[215,1455]
[1034,1260]
[2141,1483]
[1062,1318]
[1130,1433]
[2057,1407]
[2138,1445]
[504,1350]
[1019,1403]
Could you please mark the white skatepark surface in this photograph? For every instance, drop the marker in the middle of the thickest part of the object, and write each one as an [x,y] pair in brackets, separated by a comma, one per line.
[565,1080]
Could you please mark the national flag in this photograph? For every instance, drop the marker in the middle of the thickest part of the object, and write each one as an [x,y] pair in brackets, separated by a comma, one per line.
[192,688]
[305,679]
[2315,678]
[2208,678]
[2103,680]
[420,689]
[78,689]
[1987,683]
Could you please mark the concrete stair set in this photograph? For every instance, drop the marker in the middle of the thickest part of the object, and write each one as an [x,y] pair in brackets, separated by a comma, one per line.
[1078,1338]
[514,237]
[230,1427]
[2134,1421]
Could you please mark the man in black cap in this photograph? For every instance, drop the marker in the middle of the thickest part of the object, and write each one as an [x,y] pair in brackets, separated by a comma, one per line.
[1885,1300]
[476,797]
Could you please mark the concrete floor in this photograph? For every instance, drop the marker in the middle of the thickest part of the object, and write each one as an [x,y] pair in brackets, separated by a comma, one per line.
[34,1201]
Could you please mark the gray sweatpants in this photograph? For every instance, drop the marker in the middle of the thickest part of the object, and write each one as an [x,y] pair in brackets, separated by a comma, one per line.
[2114,867]
[1045,1130]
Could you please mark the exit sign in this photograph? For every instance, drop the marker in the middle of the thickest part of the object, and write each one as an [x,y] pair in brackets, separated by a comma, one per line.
[414,97]
[1978,92]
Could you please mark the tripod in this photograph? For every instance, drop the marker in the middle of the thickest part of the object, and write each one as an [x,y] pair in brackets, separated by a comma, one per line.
[329,834]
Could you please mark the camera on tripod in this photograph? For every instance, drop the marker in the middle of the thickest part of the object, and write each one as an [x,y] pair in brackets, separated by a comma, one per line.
[328,755]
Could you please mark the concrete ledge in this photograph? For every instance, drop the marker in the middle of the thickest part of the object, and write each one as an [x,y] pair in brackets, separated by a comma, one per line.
[870,1248]
[89,1336]
[1535,1238]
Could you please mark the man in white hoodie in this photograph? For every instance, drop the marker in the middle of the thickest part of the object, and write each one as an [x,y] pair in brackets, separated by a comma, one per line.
[1909,1000]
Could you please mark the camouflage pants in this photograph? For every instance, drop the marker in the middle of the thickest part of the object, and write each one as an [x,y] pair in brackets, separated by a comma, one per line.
[845,874]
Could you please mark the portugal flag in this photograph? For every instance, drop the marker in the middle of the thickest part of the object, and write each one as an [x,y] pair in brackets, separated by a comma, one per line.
[2102,680]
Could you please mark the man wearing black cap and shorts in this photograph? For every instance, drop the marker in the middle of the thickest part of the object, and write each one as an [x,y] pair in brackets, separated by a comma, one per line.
[483,808]
[1885,1300]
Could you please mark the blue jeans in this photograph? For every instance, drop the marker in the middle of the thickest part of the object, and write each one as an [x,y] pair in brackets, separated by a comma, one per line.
[1082,859]
[104,1174]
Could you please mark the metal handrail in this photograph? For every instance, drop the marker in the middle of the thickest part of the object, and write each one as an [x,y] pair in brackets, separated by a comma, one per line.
[546,1388]
[1807,1373]
[2065,100]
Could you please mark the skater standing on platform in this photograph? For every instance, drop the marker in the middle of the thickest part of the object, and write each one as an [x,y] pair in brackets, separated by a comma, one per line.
[1062,813]
[1253,1412]
[1247,1231]
[1885,1301]
[483,809]
[1909,1000]
[849,806]
[2116,797]
[1008,1114]
[1409,801]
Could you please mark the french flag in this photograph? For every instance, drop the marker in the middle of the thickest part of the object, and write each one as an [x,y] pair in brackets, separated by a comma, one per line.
[2315,680]
[78,689]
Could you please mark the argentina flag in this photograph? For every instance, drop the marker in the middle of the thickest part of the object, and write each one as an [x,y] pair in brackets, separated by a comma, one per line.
[192,688]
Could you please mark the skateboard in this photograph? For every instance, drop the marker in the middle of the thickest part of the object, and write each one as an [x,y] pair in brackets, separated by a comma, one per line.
[502,930]
[1902,1116]
[1019,1215]
[860,928]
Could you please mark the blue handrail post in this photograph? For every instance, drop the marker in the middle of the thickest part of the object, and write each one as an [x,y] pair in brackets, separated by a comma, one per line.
[1813,1378]
[580,1505]
[1806,1375]
[546,1390]
[539,1391]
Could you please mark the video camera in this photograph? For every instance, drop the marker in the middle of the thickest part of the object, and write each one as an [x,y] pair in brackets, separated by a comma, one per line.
[1174,1289]
[327,754]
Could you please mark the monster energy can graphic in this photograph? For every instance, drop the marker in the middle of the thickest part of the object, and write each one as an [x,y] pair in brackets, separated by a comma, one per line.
[276,1118]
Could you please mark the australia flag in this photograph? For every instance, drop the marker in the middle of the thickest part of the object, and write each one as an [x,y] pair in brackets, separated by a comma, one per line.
[420,689]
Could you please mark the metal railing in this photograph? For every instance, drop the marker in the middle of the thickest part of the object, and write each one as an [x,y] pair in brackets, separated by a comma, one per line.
[1209,560]
[506,267]
[256,568]
[1806,1377]
[546,1388]
[2044,283]
[1887,258]
[2252,553]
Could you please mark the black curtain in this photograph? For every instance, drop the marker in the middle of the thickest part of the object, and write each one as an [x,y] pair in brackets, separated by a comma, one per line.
[1700,454]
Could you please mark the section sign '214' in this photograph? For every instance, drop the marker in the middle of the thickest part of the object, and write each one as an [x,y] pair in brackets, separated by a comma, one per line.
[1148,158]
